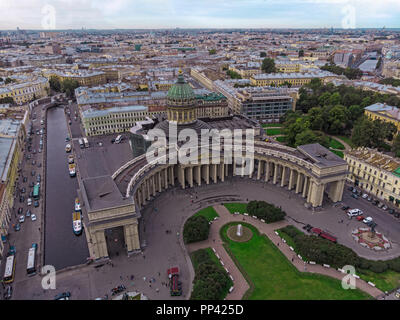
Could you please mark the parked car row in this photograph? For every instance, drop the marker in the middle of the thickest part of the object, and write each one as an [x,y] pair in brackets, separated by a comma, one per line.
[357,193]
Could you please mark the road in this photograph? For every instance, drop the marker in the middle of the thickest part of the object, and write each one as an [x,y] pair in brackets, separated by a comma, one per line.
[62,247]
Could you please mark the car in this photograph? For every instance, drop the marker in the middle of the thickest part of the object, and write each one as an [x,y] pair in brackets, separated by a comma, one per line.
[369,199]
[365,196]
[355,190]
[384,208]
[19,210]
[21,219]
[375,202]
[31,194]
[63,296]
[307,227]
[350,188]
[33,217]
[32,184]
[397,294]
[40,150]
[39,165]
[23,190]
[380,205]
[66,139]
[354,196]
[28,213]
[344,208]
[354,213]
[33,162]
[36,204]
[359,218]
[34,151]
[29,201]
[391,211]
[397,215]
[33,173]
[21,199]
[17,227]
[25,179]
[367,220]
[69,122]
[8,293]
[113,140]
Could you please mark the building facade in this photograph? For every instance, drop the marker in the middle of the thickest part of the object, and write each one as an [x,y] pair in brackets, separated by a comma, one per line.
[294,79]
[383,112]
[376,173]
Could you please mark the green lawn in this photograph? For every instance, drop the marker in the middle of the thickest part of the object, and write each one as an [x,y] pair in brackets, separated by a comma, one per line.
[339,153]
[274,132]
[272,276]
[209,213]
[335,144]
[236,207]
[386,281]
[347,140]
[272,125]
[282,139]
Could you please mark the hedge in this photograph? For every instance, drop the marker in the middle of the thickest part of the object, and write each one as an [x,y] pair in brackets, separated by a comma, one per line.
[323,251]
[266,211]
[195,229]
[211,282]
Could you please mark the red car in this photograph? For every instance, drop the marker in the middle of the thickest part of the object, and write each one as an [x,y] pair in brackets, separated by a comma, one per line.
[360,218]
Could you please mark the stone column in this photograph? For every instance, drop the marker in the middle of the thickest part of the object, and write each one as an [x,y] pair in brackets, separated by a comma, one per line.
[283,178]
[171,175]
[317,195]
[148,189]
[131,237]
[206,173]
[214,172]
[166,178]
[190,176]
[259,170]
[100,244]
[181,176]
[299,182]
[291,179]
[275,173]
[159,181]
[222,171]
[336,190]
[234,167]
[142,192]
[153,185]
[197,174]
[306,179]
[267,172]
[310,190]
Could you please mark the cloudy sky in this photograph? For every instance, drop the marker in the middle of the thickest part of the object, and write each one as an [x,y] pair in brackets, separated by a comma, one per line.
[106,14]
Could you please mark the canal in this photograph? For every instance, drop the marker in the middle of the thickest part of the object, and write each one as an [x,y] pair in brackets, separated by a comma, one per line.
[62,247]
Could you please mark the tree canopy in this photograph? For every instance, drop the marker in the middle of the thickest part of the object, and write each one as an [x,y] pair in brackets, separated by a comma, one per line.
[268,65]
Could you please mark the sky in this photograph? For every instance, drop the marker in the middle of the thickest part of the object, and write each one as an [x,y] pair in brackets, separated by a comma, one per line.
[147,14]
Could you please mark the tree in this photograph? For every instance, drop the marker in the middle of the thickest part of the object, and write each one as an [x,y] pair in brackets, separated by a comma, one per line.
[301,53]
[396,145]
[316,118]
[337,119]
[69,86]
[212,51]
[263,54]
[233,74]
[195,229]
[9,80]
[9,100]
[55,84]
[305,137]
[268,65]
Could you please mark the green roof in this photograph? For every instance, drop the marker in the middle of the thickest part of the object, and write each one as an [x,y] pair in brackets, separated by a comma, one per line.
[397,172]
[180,90]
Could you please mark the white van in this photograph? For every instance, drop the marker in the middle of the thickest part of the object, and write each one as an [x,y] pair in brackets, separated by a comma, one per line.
[354,212]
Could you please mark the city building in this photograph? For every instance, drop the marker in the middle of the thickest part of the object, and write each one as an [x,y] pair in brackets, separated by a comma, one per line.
[12,136]
[293,79]
[26,91]
[112,120]
[84,77]
[376,173]
[383,112]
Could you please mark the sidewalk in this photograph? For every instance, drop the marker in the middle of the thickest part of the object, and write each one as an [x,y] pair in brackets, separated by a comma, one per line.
[240,284]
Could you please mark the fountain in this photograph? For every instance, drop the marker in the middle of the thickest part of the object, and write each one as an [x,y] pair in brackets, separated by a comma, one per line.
[239,231]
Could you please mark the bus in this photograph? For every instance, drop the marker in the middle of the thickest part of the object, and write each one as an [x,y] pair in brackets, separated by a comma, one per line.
[31,269]
[118,139]
[10,269]
[81,143]
[86,142]
[36,191]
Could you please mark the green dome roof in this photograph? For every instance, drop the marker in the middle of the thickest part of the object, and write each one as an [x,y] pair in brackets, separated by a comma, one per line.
[180,90]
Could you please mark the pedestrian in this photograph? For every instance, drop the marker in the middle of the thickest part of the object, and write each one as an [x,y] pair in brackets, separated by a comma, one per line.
[277,244]
[157,290]
[159,274]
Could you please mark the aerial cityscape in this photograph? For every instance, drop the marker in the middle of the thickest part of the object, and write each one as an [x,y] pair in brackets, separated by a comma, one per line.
[180,150]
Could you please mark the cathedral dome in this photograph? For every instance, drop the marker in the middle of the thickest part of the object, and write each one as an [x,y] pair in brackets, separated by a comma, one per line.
[180,93]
